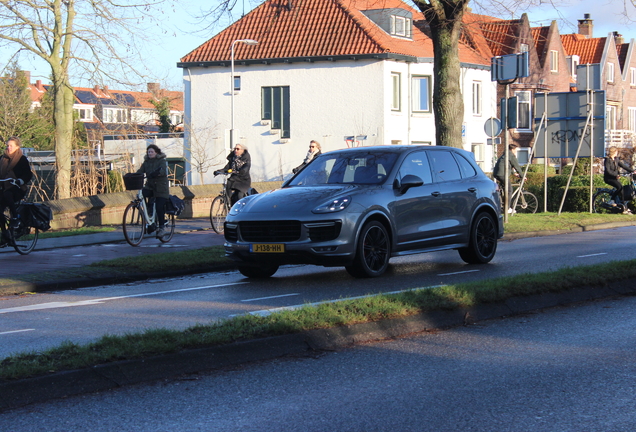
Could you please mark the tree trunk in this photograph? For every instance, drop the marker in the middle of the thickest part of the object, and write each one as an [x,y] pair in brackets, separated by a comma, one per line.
[63,116]
[445,22]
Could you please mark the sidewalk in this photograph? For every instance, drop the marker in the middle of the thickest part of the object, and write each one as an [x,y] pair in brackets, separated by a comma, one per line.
[63,254]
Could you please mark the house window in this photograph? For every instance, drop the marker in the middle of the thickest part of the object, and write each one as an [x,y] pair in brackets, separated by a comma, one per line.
[400,26]
[84,114]
[480,154]
[477,98]
[176,118]
[143,116]
[573,63]
[275,107]
[523,155]
[421,88]
[554,61]
[114,115]
[610,117]
[396,100]
[523,110]
[632,76]
[523,47]
[632,118]
[237,83]
[610,72]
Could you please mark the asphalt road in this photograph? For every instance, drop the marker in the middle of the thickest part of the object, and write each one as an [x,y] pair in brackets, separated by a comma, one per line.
[563,369]
[36,322]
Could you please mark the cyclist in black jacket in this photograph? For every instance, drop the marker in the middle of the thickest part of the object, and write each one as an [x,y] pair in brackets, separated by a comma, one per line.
[611,175]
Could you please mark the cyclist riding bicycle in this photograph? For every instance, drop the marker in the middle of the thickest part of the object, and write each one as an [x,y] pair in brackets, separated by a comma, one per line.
[499,172]
[611,175]
[238,164]
[14,165]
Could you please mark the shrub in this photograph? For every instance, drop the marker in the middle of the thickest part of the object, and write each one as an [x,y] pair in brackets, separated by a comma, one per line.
[115,182]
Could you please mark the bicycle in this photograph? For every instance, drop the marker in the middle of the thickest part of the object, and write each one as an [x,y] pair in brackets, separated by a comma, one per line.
[24,238]
[220,207]
[602,198]
[137,221]
[523,201]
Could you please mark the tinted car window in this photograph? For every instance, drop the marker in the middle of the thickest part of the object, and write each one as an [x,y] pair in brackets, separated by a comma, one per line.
[416,163]
[467,169]
[347,168]
[444,166]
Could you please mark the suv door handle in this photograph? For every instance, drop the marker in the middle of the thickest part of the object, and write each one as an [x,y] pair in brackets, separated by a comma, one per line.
[436,194]
[472,189]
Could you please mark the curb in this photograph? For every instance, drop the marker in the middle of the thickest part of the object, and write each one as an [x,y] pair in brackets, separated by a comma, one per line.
[118,374]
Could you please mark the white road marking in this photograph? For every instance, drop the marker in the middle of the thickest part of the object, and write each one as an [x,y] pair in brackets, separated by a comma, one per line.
[272,297]
[455,273]
[266,312]
[57,305]
[15,331]
[591,255]
[79,255]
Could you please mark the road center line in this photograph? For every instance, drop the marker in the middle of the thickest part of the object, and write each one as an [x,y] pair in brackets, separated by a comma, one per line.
[57,305]
[272,297]
[455,273]
[591,255]
[15,331]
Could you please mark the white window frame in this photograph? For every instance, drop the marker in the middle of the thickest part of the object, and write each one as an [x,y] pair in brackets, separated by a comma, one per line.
[479,151]
[143,116]
[84,113]
[573,62]
[176,118]
[632,76]
[523,47]
[554,61]
[400,26]
[631,114]
[610,116]
[523,155]
[610,72]
[237,83]
[114,115]
[396,91]
[416,91]
[524,98]
[477,98]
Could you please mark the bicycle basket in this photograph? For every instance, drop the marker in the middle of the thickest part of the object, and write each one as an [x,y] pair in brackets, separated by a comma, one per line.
[134,181]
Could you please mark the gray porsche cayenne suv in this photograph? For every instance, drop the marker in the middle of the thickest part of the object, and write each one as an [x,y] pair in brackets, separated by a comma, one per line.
[359,207]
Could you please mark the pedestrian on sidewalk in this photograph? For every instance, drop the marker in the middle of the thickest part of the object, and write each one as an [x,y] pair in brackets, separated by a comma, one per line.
[313,153]
[14,165]
[157,188]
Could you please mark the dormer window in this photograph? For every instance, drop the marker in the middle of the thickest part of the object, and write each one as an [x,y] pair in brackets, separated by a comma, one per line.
[573,63]
[400,26]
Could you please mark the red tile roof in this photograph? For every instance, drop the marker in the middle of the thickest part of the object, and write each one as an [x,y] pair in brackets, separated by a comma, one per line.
[315,28]
[501,35]
[589,50]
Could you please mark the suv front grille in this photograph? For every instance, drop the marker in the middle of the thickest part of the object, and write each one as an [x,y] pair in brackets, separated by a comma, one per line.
[324,231]
[270,231]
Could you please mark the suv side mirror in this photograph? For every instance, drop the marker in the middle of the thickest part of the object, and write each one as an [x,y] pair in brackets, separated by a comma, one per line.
[408,181]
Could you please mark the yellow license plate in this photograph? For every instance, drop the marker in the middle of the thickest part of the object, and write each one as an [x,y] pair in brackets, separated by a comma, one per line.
[267,248]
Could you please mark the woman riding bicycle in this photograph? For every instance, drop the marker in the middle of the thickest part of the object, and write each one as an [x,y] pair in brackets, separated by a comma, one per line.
[14,165]
[499,172]
[611,175]
[155,167]
[239,162]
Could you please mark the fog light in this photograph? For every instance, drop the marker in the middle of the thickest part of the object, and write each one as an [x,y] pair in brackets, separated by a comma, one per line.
[325,248]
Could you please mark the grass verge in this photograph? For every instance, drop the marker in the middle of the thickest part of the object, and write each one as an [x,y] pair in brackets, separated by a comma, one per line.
[154,342]
[75,231]
[565,221]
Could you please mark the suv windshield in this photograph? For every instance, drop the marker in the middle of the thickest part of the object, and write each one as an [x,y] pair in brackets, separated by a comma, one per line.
[370,168]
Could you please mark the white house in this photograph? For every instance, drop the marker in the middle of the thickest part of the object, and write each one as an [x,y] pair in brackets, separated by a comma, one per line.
[322,70]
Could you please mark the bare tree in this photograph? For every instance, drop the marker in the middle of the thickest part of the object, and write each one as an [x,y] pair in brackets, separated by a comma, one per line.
[93,39]
[201,149]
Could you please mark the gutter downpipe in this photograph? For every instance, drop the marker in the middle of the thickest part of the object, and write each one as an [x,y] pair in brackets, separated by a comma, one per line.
[187,126]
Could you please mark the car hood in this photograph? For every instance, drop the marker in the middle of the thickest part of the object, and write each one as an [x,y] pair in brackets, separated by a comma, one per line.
[293,199]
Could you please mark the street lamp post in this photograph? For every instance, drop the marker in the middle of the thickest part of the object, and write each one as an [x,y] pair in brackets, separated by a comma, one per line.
[246,42]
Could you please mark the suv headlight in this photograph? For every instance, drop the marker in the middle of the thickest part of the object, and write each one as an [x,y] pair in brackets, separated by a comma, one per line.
[238,207]
[333,206]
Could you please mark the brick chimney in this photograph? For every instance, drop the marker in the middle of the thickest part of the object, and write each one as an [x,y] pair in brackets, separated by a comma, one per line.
[154,88]
[618,38]
[27,75]
[586,26]
[39,86]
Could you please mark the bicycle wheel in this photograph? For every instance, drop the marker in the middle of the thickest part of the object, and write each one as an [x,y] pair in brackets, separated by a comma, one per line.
[218,213]
[133,225]
[600,202]
[168,229]
[527,203]
[24,239]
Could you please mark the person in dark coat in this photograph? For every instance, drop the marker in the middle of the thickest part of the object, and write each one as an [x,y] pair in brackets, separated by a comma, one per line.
[238,165]
[313,153]
[155,166]
[611,175]
[14,165]
[499,172]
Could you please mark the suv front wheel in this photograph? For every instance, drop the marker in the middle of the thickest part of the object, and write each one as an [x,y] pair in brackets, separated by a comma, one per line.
[483,240]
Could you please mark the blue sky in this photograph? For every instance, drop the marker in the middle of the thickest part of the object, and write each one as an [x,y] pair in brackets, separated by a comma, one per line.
[179,37]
